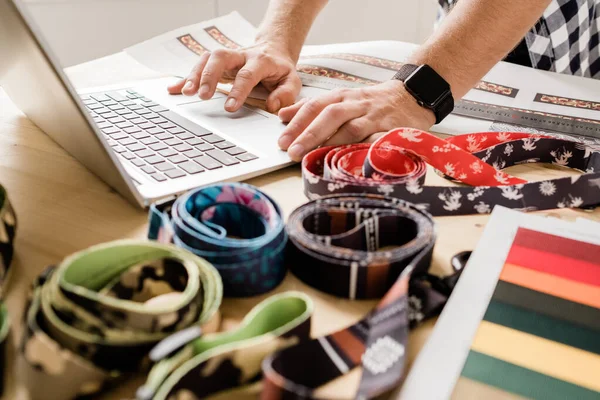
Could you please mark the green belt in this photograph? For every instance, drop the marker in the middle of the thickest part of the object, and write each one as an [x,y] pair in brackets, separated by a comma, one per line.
[8,228]
[93,318]
[194,368]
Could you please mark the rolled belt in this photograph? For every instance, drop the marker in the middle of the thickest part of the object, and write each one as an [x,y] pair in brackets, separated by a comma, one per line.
[93,318]
[395,166]
[196,367]
[235,226]
[338,245]
[8,229]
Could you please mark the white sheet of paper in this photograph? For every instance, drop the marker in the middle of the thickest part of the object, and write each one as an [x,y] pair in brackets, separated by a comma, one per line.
[169,54]
[588,223]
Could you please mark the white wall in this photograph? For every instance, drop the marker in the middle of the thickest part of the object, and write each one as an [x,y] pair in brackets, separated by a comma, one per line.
[81,30]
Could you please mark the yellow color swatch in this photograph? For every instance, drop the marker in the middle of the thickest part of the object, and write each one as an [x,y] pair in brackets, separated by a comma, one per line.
[545,356]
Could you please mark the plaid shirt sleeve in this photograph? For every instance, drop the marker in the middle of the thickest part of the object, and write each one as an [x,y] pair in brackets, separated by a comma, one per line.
[564,39]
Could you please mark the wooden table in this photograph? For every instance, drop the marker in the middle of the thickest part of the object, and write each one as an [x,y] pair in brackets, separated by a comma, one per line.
[63,208]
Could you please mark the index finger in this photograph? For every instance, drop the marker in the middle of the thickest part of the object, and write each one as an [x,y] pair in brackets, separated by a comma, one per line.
[323,127]
[245,80]
[220,60]
[189,85]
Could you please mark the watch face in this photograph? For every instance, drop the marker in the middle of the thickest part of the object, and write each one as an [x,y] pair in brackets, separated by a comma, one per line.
[427,86]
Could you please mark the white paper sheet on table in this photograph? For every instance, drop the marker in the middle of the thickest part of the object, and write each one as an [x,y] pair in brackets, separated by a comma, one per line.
[326,67]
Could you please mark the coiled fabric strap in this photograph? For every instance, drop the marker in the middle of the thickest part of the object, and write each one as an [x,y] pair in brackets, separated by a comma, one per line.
[235,226]
[337,245]
[8,230]
[395,165]
[221,361]
[95,316]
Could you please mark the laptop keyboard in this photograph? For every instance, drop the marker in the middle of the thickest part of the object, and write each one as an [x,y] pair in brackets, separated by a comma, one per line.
[157,141]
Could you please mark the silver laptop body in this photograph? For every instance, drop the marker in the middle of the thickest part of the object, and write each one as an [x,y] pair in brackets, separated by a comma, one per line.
[140,140]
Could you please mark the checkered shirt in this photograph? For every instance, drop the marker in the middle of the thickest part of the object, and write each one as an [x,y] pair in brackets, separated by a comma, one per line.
[565,38]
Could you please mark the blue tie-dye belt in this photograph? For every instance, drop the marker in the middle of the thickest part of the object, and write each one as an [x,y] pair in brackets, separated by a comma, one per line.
[235,226]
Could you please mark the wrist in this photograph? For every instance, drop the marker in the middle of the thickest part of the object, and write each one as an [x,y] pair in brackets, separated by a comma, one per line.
[424,117]
[444,64]
[277,46]
[427,88]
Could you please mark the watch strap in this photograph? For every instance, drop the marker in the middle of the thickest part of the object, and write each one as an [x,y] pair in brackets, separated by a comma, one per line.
[444,108]
[404,72]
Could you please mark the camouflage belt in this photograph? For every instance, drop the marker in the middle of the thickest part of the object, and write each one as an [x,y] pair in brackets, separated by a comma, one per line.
[93,318]
[235,226]
[359,246]
[8,228]
[195,368]
[4,331]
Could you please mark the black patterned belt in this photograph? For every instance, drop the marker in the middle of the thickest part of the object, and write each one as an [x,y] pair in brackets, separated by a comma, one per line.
[93,318]
[359,246]
[8,229]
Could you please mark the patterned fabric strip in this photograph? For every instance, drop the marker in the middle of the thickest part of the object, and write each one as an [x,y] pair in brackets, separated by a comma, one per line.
[8,230]
[336,246]
[95,316]
[4,331]
[235,226]
[395,166]
[222,361]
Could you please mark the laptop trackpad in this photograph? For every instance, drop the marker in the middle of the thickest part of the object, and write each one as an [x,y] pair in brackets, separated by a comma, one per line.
[213,112]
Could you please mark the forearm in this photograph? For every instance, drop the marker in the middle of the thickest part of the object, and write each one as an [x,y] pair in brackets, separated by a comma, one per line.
[475,36]
[287,22]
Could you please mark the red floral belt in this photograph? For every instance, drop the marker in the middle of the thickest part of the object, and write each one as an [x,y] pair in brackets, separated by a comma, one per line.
[395,165]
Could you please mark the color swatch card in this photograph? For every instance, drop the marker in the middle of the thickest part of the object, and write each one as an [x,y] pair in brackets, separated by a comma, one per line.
[524,320]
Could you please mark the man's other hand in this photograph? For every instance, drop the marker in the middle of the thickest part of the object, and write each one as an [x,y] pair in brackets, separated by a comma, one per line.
[349,116]
[248,67]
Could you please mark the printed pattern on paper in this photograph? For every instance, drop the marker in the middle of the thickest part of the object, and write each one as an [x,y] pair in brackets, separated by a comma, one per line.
[334,74]
[192,44]
[496,89]
[566,102]
[221,38]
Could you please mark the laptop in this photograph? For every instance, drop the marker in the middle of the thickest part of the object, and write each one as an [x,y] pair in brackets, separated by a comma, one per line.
[146,144]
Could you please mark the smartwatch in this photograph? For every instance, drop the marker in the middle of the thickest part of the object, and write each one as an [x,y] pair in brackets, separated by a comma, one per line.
[428,88]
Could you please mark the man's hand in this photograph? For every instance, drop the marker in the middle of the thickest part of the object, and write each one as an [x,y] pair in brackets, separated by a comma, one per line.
[349,116]
[250,66]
